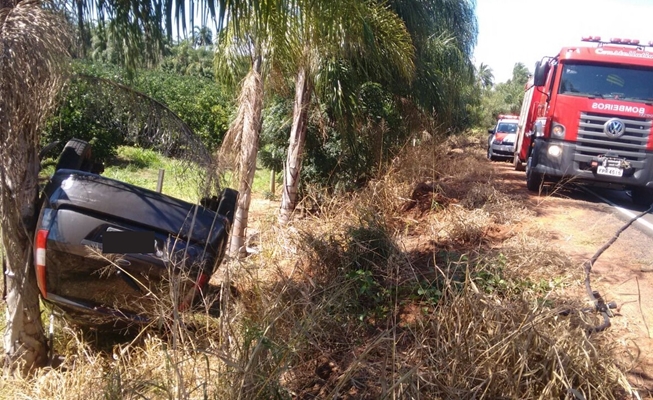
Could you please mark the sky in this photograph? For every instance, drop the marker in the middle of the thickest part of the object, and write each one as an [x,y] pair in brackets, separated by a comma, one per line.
[512,31]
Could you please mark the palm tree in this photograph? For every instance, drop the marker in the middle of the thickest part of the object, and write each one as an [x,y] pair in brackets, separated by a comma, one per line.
[32,45]
[520,74]
[444,34]
[203,36]
[485,76]
[245,47]
[333,30]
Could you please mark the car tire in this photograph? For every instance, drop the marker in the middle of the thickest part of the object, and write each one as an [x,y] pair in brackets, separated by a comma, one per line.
[75,155]
[490,156]
[642,196]
[489,148]
[227,204]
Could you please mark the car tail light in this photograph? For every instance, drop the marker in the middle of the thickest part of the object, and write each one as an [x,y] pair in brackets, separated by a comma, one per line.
[39,260]
[202,280]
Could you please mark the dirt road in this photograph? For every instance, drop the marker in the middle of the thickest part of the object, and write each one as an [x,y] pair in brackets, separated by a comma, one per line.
[579,225]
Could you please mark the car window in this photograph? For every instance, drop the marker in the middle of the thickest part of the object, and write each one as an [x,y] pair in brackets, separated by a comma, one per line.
[506,127]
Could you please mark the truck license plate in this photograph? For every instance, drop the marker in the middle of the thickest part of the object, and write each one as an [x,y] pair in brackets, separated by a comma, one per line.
[612,171]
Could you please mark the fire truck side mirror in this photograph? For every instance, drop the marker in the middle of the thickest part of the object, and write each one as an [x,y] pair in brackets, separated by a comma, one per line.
[541,70]
[490,131]
[539,129]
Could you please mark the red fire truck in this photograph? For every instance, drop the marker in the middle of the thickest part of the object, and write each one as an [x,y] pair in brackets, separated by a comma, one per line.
[587,117]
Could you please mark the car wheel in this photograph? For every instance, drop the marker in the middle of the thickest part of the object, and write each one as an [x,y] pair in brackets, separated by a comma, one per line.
[75,155]
[489,155]
[227,205]
[642,196]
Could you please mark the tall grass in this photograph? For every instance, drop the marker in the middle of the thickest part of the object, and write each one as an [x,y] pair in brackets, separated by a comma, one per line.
[402,290]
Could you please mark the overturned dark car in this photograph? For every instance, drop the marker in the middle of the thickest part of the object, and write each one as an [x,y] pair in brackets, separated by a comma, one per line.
[108,252]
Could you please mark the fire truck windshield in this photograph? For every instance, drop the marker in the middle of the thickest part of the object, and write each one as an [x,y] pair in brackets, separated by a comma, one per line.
[607,82]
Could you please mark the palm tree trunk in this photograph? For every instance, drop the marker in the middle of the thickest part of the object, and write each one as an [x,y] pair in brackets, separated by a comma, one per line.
[24,339]
[33,46]
[293,164]
[83,37]
[249,112]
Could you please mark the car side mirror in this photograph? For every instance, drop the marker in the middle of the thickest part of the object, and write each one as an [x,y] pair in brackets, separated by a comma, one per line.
[490,131]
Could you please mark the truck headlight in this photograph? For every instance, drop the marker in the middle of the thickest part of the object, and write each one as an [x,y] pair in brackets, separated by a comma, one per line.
[555,150]
[558,131]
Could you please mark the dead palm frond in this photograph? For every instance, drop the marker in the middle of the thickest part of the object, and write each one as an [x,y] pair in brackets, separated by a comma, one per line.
[243,138]
[152,124]
[236,139]
[32,45]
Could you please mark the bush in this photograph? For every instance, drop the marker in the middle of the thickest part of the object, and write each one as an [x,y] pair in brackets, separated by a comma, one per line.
[87,113]
[93,109]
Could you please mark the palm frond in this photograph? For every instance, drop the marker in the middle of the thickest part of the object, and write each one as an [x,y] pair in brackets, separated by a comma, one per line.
[33,44]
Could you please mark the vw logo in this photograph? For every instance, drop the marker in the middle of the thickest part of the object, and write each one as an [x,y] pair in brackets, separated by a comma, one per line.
[614,128]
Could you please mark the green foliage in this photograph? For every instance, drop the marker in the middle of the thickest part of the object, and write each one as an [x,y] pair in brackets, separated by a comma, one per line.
[364,110]
[491,278]
[444,34]
[429,293]
[368,251]
[86,113]
[136,158]
[275,132]
[503,98]
[359,116]
[342,154]
[89,111]
[184,59]
[201,103]
[359,151]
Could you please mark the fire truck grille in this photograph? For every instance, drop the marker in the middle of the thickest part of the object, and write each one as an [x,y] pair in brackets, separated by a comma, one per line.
[592,141]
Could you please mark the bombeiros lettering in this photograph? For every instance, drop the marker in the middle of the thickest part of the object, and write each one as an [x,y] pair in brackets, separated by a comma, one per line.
[618,107]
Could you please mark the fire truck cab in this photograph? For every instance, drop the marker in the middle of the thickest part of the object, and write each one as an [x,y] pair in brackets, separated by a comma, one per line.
[587,117]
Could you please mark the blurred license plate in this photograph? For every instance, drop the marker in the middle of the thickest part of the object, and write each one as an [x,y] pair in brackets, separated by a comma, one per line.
[612,171]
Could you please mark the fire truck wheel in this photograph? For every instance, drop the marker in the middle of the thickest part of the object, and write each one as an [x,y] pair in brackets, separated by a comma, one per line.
[642,196]
[534,180]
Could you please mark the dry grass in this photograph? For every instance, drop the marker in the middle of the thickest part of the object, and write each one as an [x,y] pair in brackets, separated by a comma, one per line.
[375,296]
